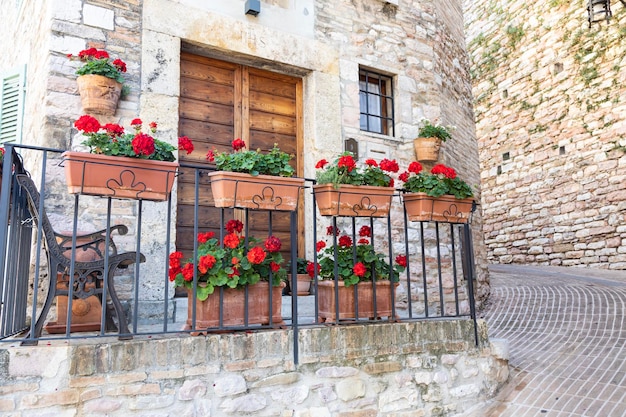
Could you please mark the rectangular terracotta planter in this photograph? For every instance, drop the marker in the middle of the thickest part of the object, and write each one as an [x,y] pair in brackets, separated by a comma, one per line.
[263,192]
[347,308]
[118,177]
[446,208]
[208,311]
[353,200]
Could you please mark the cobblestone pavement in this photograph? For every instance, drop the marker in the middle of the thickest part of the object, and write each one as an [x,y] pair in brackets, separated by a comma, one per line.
[566,330]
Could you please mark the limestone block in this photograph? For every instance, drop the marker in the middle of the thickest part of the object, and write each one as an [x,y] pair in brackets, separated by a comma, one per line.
[191,389]
[229,385]
[244,404]
[350,389]
[98,17]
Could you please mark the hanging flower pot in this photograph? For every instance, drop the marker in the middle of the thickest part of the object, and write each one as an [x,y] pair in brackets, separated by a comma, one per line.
[353,200]
[349,303]
[99,80]
[264,192]
[427,149]
[118,177]
[446,208]
[99,94]
[234,307]
[429,140]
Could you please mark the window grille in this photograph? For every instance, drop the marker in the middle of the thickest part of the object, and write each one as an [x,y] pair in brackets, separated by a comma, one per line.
[376,102]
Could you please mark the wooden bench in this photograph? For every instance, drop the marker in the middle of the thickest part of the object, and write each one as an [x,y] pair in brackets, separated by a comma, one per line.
[88,275]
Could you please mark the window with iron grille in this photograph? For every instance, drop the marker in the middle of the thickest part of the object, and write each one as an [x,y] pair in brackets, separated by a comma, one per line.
[376,102]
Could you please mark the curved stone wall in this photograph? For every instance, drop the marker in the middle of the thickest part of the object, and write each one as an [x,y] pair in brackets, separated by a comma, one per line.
[550,107]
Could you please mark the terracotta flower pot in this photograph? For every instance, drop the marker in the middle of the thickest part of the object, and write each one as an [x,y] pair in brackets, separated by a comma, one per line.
[347,305]
[427,149]
[447,208]
[264,192]
[118,177]
[304,283]
[208,311]
[99,94]
[353,200]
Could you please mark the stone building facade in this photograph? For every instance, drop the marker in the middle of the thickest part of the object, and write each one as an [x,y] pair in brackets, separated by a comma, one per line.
[550,95]
[418,44]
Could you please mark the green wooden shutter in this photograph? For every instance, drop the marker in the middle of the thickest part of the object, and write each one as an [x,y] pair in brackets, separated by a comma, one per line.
[12,105]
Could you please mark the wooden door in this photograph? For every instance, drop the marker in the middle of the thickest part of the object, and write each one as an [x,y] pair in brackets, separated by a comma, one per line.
[222,101]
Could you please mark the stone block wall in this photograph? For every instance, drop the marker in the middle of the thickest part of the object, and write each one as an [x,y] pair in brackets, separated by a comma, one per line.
[551,125]
[418,42]
[419,369]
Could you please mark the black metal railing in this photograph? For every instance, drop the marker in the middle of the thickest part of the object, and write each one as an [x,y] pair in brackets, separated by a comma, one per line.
[36,211]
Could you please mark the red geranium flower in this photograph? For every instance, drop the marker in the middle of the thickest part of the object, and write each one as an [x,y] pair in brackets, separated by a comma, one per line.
[274,266]
[347,161]
[210,156]
[136,122]
[187,272]
[256,255]
[310,268]
[185,144]
[143,144]
[365,231]
[345,241]
[415,167]
[330,230]
[206,262]
[233,226]
[320,245]
[204,237]
[371,162]
[363,241]
[389,165]
[175,258]
[404,177]
[231,240]
[272,244]
[120,65]
[401,260]
[321,163]
[114,130]
[87,124]
[359,269]
[238,144]
[441,169]
[101,54]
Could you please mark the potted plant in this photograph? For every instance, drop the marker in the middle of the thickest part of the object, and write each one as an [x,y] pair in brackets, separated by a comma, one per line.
[429,138]
[346,189]
[100,81]
[356,271]
[122,165]
[254,179]
[437,196]
[303,277]
[234,264]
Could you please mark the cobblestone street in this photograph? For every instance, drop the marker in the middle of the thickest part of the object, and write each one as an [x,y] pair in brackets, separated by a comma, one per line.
[567,336]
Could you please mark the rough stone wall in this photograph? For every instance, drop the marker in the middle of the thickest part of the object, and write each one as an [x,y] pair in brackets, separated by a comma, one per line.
[551,127]
[421,43]
[417,42]
[420,369]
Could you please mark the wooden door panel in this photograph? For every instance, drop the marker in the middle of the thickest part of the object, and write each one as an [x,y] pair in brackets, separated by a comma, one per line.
[201,90]
[272,104]
[206,111]
[266,141]
[272,84]
[219,102]
[206,132]
[268,122]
